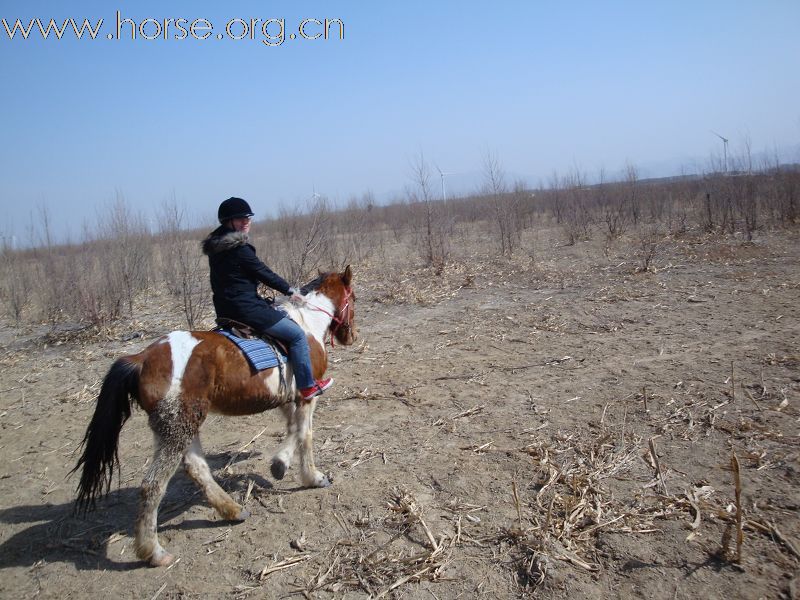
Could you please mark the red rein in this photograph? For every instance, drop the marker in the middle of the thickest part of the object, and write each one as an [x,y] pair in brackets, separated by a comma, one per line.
[344,311]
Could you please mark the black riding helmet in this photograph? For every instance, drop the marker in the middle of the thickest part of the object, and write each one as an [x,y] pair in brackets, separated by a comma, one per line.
[233,208]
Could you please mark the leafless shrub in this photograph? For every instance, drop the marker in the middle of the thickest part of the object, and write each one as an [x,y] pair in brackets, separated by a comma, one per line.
[615,218]
[57,285]
[397,217]
[527,207]
[71,285]
[747,205]
[613,207]
[718,212]
[659,203]
[183,265]
[577,216]
[505,206]
[577,222]
[358,230]
[676,215]
[129,251]
[101,294]
[304,240]
[433,228]
[745,202]
[556,197]
[98,280]
[786,194]
[16,283]
[632,187]
[92,282]
[649,243]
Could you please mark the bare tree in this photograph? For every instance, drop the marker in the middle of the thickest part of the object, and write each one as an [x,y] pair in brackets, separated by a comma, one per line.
[556,197]
[504,205]
[16,283]
[57,286]
[612,204]
[435,227]
[786,194]
[631,181]
[357,226]
[306,239]
[182,263]
[577,216]
[129,250]
[649,246]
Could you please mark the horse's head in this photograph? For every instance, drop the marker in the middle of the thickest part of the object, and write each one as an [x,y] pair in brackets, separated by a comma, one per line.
[337,287]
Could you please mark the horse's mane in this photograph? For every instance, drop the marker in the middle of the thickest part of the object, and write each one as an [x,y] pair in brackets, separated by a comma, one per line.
[314,284]
[293,311]
[285,304]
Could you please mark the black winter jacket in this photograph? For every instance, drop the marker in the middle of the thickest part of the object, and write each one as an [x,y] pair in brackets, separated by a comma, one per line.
[236,272]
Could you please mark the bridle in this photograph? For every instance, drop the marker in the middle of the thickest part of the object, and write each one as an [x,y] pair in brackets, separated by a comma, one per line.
[337,322]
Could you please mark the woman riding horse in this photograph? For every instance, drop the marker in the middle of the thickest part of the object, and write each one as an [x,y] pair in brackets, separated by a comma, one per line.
[184,376]
[236,272]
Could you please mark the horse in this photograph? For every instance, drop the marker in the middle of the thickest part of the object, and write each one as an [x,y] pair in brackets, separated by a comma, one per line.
[183,376]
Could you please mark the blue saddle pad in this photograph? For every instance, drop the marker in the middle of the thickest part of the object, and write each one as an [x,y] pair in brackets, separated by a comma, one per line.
[257,351]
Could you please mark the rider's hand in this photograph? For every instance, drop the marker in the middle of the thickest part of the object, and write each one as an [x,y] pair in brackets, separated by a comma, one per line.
[296,297]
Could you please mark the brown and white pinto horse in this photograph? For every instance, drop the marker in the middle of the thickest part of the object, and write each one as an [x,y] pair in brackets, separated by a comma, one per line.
[182,377]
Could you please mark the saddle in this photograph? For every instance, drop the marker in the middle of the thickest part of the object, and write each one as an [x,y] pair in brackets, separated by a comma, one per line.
[257,357]
[244,331]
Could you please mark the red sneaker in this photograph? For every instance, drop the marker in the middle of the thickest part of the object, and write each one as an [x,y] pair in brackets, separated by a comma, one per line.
[315,390]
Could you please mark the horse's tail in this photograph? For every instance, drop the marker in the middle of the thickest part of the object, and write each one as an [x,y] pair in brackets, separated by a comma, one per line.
[99,457]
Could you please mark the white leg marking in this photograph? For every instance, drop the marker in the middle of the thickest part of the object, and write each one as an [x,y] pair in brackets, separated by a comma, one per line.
[304,416]
[285,452]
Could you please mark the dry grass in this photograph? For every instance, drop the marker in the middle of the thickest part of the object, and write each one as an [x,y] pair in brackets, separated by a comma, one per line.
[505,426]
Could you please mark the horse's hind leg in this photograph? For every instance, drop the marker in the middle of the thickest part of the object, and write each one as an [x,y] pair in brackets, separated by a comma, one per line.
[304,416]
[171,443]
[196,466]
[282,459]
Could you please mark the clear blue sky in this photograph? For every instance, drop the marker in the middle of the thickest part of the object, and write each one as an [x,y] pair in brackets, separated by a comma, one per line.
[544,85]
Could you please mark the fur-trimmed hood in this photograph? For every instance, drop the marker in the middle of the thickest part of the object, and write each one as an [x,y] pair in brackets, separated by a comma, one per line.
[235,272]
[222,239]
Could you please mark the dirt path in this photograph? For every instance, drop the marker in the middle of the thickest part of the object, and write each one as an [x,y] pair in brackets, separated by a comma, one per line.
[495,439]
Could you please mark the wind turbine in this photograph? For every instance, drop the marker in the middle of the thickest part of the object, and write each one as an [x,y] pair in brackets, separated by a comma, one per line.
[724,148]
[443,175]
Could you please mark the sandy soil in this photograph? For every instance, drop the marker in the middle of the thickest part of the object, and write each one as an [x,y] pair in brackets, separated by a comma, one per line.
[497,431]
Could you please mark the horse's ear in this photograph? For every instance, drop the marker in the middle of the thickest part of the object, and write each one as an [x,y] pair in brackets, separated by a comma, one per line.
[347,276]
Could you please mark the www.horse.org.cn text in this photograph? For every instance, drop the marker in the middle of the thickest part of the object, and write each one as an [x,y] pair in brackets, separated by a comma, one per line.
[270,32]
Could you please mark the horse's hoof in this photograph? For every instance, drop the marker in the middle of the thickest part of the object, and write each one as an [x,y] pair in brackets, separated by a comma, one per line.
[243,515]
[323,481]
[278,468]
[162,559]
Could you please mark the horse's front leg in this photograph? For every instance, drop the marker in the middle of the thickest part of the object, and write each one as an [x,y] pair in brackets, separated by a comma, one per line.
[304,416]
[282,459]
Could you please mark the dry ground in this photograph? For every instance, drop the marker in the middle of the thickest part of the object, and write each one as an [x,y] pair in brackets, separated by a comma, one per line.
[559,427]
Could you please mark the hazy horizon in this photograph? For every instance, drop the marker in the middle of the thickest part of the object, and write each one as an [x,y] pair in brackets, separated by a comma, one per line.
[544,88]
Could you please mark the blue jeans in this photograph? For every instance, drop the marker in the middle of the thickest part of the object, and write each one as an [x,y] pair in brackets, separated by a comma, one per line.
[290,332]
